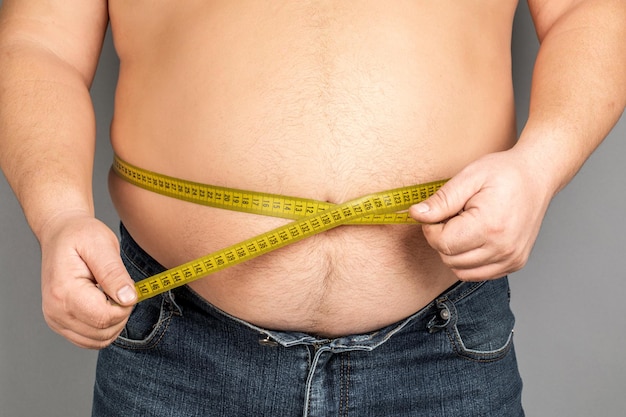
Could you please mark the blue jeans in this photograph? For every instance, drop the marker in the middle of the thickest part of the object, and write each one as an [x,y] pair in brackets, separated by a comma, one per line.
[180,356]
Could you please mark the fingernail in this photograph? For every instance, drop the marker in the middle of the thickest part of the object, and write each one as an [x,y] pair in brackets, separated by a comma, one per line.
[126,294]
[422,207]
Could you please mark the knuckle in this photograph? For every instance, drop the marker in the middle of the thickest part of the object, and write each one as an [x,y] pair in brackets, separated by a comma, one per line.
[48,316]
[102,345]
[446,249]
[109,273]
[99,323]
[52,322]
[513,256]
[96,340]
[508,252]
[102,321]
[463,275]
[494,229]
[92,344]
[108,340]
[97,315]
[447,262]
[103,342]
[53,313]
[518,262]
[442,197]
[54,295]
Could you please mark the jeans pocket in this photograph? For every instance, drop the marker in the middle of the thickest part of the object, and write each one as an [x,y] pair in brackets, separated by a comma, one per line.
[479,325]
[148,323]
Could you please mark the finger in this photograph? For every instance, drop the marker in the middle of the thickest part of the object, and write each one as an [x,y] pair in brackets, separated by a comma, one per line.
[105,264]
[83,309]
[87,332]
[87,342]
[460,234]
[484,263]
[483,272]
[471,260]
[84,334]
[94,309]
[448,201]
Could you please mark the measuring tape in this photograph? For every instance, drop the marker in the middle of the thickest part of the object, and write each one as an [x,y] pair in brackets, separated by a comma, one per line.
[310,217]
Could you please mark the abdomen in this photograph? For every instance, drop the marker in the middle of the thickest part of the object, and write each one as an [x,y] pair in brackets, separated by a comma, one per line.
[325,102]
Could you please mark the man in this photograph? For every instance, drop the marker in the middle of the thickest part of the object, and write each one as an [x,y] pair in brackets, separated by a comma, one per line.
[324,100]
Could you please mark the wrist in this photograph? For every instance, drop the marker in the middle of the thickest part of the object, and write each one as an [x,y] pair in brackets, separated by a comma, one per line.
[550,156]
[52,223]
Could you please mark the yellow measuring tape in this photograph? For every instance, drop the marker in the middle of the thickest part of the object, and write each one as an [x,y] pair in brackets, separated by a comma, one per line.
[310,217]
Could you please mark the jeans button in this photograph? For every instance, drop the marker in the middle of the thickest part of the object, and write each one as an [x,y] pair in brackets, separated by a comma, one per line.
[267,341]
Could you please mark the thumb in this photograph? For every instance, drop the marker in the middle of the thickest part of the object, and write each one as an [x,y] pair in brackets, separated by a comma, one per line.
[447,202]
[110,273]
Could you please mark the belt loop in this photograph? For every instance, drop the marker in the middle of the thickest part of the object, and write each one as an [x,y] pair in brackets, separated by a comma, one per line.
[442,319]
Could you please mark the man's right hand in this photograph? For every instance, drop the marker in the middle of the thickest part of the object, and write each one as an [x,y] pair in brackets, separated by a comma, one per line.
[87,293]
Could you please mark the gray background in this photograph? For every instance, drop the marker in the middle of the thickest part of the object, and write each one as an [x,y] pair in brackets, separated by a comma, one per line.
[570,331]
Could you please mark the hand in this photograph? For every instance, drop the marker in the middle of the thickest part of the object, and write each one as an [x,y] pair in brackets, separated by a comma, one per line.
[485,220]
[81,265]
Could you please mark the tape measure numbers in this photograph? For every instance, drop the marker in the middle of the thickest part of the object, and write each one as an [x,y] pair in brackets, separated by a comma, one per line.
[310,217]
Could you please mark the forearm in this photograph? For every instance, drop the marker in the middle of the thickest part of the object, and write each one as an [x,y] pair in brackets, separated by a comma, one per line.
[47,132]
[578,90]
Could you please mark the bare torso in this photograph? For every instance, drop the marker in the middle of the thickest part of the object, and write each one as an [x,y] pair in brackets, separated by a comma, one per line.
[320,99]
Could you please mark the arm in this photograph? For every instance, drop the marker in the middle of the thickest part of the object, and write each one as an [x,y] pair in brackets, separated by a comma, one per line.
[579,83]
[48,56]
[578,93]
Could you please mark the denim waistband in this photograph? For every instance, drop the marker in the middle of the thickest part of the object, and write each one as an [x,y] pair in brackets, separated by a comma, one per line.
[417,321]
